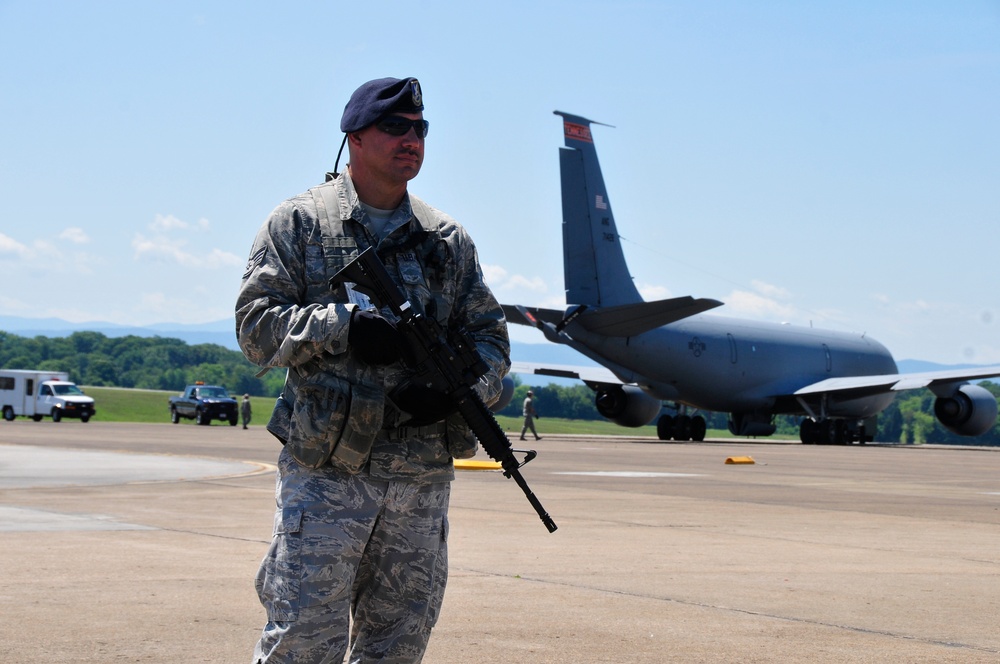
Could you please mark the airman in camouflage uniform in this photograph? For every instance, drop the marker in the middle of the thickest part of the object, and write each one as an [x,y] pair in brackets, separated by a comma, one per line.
[358,559]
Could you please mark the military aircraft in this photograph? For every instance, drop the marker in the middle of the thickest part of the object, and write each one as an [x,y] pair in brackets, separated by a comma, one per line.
[668,356]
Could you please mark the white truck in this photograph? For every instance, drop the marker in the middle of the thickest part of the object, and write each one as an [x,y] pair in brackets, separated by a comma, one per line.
[36,394]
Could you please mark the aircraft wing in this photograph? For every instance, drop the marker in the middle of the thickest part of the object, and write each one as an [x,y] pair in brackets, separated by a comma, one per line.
[850,386]
[586,374]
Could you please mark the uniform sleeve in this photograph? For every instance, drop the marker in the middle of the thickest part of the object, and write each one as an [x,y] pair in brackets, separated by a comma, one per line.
[478,311]
[275,324]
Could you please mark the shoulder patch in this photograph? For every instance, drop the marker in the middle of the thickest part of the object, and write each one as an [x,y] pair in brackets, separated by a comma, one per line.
[255,260]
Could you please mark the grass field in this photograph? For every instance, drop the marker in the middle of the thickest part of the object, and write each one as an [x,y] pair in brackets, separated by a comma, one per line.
[124,405]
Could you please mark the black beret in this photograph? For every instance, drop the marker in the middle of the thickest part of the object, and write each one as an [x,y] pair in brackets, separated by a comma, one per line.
[380,97]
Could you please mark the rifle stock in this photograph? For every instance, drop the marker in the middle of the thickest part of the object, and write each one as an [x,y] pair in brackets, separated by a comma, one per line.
[444,360]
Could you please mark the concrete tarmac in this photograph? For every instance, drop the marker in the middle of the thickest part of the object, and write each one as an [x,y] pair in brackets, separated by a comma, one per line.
[139,543]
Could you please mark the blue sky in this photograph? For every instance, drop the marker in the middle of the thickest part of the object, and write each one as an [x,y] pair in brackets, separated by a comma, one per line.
[833,164]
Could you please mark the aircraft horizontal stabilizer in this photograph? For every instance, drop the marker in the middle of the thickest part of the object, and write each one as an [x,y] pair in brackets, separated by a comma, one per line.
[628,320]
[624,320]
[597,375]
[530,315]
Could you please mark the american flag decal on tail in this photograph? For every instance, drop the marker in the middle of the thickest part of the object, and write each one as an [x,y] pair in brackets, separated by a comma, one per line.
[577,132]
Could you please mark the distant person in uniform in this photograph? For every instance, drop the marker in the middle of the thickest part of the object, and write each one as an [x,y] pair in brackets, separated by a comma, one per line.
[359,556]
[529,415]
[245,410]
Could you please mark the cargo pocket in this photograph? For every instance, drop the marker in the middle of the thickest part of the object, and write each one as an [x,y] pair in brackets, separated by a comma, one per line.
[440,579]
[317,422]
[364,421]
[280,576]
[462,444]
[280,420]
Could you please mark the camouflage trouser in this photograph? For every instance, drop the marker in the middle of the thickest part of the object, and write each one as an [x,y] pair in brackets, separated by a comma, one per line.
[346,543]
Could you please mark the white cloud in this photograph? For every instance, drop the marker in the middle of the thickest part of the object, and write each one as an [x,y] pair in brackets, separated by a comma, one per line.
[158,306]
[754,304]
[166,223]
[164,246]
[535,284]
[494,274]
[650,292]
[39,250]
[499,279]
[74,235]
[770,290]
[218,258]
[13,305]
[10,246]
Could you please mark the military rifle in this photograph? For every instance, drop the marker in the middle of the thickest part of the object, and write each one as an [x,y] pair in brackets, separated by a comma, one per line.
[445,360]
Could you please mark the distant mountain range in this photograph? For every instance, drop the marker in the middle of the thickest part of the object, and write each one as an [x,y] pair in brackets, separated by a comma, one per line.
[223,333]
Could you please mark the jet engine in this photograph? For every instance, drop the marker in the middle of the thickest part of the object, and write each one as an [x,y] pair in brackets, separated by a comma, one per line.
[969,411]
[506,394]
[627,405]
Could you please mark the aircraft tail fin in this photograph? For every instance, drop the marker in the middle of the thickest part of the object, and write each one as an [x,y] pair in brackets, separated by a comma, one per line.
[593,262]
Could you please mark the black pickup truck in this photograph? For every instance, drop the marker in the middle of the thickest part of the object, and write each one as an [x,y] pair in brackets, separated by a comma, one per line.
[204,403]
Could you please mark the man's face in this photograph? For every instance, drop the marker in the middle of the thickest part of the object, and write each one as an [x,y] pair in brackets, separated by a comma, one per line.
[393,159]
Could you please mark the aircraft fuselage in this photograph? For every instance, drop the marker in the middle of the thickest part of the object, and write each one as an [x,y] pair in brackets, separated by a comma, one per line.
[690,361]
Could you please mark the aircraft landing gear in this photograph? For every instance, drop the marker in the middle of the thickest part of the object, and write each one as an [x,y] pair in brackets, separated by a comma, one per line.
[832,432]
[681,428]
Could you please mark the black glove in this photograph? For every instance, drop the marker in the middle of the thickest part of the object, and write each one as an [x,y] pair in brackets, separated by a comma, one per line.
[373,338]
[424,404]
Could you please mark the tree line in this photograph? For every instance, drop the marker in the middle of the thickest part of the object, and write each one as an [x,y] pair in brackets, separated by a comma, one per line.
[154,363]
[163,363]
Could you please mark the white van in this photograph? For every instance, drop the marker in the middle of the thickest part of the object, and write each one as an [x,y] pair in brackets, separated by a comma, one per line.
[36,394]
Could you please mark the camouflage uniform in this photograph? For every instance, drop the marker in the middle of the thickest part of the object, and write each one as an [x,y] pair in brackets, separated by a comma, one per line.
[361,521]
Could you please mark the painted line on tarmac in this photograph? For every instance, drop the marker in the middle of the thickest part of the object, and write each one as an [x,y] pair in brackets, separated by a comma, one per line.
[625,473]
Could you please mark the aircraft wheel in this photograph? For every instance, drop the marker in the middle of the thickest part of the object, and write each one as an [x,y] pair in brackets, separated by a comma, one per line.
[823,432]
[682,428]
[665,427]
[827,433]
[808,432]
[840,434]
[698,428]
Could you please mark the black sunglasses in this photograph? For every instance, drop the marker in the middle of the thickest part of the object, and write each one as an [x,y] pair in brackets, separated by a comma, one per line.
[395,125]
